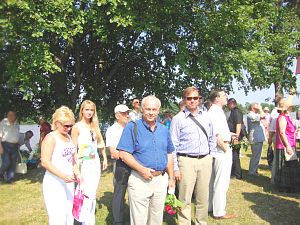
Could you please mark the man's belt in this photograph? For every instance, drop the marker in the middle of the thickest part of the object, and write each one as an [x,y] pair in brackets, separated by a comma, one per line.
[158,172]
[192,156]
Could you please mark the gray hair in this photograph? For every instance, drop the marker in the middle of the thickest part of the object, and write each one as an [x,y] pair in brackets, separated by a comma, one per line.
[149,98]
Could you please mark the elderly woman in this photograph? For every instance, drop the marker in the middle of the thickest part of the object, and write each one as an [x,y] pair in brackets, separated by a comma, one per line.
[58,154]
[286,170]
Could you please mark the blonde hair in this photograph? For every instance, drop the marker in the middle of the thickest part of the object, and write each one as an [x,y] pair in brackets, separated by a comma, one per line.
[189,90]
[62,115]
[94,120]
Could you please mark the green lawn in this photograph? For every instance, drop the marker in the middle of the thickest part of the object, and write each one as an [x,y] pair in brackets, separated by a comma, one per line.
[253,199]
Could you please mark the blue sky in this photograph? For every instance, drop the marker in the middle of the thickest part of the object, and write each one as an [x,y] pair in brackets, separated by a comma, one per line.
[260,96]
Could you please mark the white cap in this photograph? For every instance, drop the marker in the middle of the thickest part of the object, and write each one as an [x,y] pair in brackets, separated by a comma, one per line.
[121,108]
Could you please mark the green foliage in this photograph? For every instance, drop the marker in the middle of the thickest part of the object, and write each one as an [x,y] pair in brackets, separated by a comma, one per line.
[59,52]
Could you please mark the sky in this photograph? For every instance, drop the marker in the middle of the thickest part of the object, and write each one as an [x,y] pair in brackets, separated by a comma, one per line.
[260,96]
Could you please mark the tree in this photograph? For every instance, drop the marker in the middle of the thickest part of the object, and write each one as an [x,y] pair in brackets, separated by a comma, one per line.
[59,52]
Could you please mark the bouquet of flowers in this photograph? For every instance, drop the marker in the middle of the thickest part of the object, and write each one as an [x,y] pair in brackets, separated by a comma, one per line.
[238,144]
[172,204]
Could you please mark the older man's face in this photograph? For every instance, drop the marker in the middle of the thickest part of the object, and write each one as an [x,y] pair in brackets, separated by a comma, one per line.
[150,110]
[11,116]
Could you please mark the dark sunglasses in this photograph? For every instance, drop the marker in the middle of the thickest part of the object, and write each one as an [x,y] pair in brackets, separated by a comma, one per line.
[67,126]
[92,135]
[194,98]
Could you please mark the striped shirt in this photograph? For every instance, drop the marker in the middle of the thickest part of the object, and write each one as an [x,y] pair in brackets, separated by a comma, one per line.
[188,138]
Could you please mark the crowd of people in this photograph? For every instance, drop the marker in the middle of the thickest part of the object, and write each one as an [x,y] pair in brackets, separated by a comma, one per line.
[197,151]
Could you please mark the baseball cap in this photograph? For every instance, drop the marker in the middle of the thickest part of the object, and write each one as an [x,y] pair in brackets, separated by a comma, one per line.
[121,108]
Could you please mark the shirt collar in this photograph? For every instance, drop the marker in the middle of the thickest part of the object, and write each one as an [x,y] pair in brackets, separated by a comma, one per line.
[147,125]
[187,112]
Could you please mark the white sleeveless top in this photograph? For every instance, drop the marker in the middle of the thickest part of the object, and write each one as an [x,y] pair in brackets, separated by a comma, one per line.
[87,143]
[63,154]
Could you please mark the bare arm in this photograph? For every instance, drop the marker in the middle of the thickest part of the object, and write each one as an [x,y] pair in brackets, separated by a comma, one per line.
[47,149]
[283,137]
[104,164]
[170,171]
[220,142]
[114,152]
[135,165]
[238,129]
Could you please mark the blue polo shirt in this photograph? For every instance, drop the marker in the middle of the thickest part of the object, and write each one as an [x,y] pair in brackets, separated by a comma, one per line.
[151,147]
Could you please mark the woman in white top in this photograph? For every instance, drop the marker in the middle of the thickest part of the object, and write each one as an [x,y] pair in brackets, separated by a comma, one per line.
[58,157]
[87,137]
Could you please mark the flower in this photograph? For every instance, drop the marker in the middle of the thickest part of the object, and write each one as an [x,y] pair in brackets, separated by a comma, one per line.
[238,144]
[172,204]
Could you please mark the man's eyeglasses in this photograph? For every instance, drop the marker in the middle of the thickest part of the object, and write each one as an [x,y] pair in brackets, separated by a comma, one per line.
[193,98]
[136,102]
[125,113]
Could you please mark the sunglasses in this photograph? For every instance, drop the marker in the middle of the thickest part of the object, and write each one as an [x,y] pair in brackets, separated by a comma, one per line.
[92,135]
[67,126]
[125,113]
[193,98]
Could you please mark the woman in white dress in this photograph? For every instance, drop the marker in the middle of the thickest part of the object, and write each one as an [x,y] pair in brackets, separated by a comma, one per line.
[87,137]
[58,157]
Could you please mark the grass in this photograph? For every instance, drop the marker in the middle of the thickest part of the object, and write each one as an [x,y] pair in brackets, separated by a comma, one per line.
[253,199]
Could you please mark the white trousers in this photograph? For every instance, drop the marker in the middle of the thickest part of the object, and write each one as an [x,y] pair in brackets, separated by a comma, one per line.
[90,172]
[219,183]
[146,199]
[58,197]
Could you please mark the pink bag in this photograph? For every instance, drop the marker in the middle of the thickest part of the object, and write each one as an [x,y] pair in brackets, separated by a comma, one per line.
[79,211]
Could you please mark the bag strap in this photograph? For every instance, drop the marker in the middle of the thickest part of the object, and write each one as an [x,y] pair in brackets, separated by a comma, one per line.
[21,158]
[134,131]
[199,125]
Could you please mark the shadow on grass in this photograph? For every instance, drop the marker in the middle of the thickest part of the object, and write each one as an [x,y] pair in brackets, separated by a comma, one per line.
[106,200]
[273,209]
[33,175]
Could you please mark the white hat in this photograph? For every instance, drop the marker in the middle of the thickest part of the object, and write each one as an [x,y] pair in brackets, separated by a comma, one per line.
[121,108]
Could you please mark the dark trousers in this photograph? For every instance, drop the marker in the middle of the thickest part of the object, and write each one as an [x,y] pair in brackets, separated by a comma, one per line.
[122,172]
[236,169]
[9,160]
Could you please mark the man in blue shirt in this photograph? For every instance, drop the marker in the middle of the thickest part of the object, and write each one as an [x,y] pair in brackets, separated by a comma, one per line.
[195,144]
[149,154]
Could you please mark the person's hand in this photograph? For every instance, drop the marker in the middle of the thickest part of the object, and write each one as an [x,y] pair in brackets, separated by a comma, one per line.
[171,184]
[79,178]
[69,178]
[104,164]
[289,150]
[235,141]
[115,154]
[146,173]
[177,175]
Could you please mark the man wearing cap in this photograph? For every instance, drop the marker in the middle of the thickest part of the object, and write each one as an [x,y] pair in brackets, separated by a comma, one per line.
[113,135]
[256,136]
[149,155]
[220,179]
[236,125]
